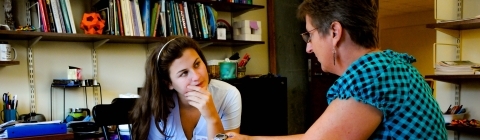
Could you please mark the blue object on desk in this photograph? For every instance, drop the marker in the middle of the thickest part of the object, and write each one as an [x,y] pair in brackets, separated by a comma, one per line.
[34,130]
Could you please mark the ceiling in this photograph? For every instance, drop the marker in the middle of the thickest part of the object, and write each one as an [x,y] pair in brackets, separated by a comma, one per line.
[400,7]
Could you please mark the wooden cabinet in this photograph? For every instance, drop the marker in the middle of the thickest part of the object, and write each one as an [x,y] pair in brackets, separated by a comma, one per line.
[319,84]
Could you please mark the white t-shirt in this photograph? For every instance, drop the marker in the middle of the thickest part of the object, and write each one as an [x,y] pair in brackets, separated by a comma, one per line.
[228,103]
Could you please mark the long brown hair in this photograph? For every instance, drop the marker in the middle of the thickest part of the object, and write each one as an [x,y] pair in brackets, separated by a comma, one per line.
[156,99]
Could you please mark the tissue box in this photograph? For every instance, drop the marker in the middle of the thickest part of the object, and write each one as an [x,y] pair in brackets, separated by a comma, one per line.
[247,30]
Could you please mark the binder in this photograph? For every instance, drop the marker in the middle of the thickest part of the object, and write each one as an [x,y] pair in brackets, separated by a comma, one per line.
[33,130]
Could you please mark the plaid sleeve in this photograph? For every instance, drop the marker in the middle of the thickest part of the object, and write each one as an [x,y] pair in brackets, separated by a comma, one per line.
[373,81]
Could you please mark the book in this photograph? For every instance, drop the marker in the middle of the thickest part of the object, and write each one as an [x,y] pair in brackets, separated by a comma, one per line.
[136,30]
[187,17]
[153,20]
[56,16]
[66,18]
[145,12]
[60,15]
[70,15]
[138,18]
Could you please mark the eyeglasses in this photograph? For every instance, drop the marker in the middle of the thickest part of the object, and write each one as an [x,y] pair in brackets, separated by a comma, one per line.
[306,35]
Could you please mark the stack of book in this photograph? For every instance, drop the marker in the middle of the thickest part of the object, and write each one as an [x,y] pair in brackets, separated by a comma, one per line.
[457,68]
[158,18]
[55,16]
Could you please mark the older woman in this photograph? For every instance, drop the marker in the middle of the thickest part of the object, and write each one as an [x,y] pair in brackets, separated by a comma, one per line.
[379,94]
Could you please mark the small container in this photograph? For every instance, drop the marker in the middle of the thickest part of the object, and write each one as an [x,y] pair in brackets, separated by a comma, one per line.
[449,117]
[228,70]
[213,68]
[241,72]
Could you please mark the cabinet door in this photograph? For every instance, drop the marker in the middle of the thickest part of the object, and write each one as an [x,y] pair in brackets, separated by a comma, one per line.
[264,106]
[319,84]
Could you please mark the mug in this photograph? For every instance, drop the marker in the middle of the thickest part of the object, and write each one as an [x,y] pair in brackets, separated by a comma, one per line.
[7,52]
[9,114]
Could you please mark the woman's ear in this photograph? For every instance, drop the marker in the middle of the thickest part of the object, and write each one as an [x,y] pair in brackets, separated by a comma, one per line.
[336,29]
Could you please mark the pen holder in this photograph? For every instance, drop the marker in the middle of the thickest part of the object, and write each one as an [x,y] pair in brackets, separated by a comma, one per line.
[9,114]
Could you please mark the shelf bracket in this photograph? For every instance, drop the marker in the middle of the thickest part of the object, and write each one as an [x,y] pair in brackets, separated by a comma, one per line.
[31,80]
[99,43]
[34,41]
[203,45]
[96,45]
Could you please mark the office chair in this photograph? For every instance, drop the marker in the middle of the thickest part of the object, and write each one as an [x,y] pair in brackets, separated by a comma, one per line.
[116,113]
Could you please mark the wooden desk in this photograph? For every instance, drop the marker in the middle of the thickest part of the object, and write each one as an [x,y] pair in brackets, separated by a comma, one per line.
[67,136]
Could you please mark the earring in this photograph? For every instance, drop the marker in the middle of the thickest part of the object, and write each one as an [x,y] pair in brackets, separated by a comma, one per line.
[334,56]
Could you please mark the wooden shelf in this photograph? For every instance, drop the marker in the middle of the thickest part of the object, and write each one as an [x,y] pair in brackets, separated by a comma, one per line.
[48,36]
[9,63]
[229,7]
[457,25]
[471,130]
[454,79]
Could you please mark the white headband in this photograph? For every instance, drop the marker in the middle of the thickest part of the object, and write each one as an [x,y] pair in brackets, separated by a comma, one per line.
[164,45]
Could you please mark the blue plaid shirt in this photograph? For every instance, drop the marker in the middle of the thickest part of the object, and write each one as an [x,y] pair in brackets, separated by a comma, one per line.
[388,81]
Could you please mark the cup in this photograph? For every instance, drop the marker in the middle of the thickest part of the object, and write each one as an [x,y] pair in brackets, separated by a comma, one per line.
[9,114]
[7,52]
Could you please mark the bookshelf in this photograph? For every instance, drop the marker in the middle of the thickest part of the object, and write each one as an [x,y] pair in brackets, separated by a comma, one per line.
[457,25]
[471,130]
[137,43]
[9,63]
[453,79]
[65,37]
[81,37]
[229,7]
[466,42]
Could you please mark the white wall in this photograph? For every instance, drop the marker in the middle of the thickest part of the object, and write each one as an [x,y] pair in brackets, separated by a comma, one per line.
[407,34]
[120,66]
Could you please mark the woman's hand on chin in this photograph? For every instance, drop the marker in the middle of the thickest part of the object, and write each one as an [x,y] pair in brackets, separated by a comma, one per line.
[201,99]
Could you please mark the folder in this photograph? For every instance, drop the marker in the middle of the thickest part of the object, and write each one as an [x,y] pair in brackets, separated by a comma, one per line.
[33,130]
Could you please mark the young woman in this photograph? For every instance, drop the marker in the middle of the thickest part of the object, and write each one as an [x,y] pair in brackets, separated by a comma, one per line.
[179,100]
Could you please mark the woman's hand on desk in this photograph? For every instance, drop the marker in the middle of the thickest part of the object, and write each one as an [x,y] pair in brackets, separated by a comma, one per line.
[201,99]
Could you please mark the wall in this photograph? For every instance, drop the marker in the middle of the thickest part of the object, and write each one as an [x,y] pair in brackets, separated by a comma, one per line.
[407,34]
[469,51]
[120,66]
[291,61]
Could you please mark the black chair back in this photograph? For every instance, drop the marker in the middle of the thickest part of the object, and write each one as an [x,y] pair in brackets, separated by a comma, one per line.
[116,114]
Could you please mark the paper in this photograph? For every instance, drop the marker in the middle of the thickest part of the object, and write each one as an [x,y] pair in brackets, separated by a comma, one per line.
[129,95]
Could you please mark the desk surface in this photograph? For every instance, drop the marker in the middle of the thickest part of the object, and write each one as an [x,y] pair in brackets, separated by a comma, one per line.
[67,136]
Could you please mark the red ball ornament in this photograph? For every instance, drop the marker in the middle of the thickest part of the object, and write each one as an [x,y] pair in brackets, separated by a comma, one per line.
[92,23]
